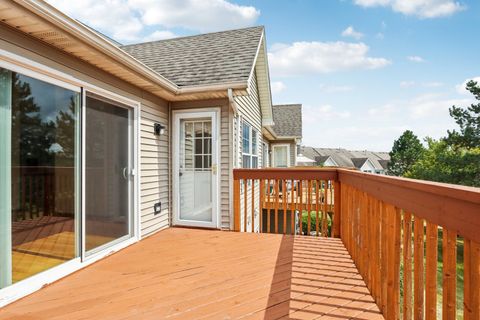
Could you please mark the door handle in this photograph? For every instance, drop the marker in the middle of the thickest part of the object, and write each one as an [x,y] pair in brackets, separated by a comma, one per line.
[125,173]
[214,169]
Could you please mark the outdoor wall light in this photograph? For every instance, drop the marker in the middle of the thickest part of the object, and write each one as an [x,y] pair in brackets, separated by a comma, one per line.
[158,129]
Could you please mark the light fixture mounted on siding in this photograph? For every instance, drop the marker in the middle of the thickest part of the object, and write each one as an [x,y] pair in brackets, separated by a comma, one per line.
[158,129]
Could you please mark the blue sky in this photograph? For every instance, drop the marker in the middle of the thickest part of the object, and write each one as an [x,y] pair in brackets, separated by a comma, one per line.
[364,70]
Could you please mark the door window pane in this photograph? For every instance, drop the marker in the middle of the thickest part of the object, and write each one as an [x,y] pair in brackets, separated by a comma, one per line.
[196,181]
[107,172]
[43,151]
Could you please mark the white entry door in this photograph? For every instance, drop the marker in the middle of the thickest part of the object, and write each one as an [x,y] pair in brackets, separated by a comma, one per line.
[196,169]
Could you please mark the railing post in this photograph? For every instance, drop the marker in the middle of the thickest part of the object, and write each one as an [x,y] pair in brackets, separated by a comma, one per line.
[337,216]
[236,205]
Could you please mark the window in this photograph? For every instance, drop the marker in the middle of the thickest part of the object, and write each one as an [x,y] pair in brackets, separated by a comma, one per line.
[249,146]
[281,156]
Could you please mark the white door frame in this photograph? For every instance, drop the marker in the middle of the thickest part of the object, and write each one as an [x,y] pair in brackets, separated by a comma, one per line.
[177,115]
[134,182]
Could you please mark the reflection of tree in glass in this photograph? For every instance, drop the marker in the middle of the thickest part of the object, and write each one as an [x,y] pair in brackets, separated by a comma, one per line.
[35,140]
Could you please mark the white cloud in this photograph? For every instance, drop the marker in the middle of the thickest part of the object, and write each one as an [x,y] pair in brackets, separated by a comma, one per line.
[351,32]
[277,87]
[376,127]
[461,88]
[407,84]
[419,8]
[416,59]
[159,35]
[313,115]
[335,88]
[321,57]
[204,16]
[128,20]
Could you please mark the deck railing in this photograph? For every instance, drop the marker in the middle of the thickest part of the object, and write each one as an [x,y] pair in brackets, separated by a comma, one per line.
[415,243]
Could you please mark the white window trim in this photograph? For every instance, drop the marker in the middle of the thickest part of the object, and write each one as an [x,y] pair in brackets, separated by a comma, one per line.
[31,68]
[273,153]
[251,154]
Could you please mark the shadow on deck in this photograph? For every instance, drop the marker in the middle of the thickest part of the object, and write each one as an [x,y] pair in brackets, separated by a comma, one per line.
[199,274]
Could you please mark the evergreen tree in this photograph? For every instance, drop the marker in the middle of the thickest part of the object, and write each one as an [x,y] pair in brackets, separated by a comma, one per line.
[407,149]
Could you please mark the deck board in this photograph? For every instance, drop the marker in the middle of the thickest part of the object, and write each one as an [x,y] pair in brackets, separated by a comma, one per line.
[199,274]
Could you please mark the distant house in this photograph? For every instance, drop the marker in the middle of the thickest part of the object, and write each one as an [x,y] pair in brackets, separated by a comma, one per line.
[365,161]
[285,136]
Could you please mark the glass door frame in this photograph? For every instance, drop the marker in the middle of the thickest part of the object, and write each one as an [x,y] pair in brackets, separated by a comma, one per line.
[17,63]
[134,182]
[192,114]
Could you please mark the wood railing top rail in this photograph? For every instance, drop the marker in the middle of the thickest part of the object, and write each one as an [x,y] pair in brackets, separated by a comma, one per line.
[302,173]
[454,207]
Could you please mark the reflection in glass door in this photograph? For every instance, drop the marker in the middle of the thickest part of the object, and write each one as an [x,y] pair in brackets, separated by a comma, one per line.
[39,180]
[108,168]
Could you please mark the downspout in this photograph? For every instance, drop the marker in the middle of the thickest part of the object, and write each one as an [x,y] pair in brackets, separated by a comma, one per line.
[232,148]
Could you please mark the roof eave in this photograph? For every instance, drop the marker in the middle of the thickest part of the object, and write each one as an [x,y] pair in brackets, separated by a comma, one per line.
[102,44]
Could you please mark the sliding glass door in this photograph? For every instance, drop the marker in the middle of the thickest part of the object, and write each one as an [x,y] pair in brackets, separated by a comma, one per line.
[64,193]
[108,172]
[39,175]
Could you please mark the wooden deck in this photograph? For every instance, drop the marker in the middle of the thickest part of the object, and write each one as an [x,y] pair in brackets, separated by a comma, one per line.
[199,274]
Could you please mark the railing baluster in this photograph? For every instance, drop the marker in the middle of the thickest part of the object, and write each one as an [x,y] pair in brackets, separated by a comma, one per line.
[284,202]
[253,205]
[268,205]
[471,280]
[431,271]
[309,206]
[292,209]
[245,204]
[418,275]
[300,190]
[277,196]
[407,266]
[236,204]
[260,206]
[317,202]
[337,190]
[449,253]
[324,212]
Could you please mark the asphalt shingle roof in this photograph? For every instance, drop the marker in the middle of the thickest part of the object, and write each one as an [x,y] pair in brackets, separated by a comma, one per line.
[205,59]
[288,120]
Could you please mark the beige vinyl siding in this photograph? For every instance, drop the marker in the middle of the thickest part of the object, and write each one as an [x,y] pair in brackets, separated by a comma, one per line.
[249,110]
[154,162]
[225,150]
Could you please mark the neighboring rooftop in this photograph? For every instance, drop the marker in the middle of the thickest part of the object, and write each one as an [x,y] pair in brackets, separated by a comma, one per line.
[347,158]
[288,120]
[204,59]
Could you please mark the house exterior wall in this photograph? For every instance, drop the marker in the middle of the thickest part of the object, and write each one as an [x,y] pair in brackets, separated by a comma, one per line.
[154,151]
[249,110]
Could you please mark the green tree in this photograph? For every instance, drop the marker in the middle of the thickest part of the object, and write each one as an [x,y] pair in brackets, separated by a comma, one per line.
[468,119]
[443,162]
[407,149]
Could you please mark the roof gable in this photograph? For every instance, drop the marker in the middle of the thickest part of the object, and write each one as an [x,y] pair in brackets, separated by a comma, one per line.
[206,59]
